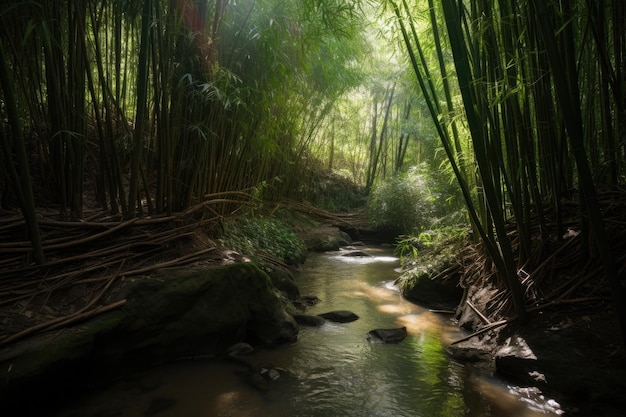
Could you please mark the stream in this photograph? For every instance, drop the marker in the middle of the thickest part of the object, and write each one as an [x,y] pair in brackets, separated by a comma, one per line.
[332,370]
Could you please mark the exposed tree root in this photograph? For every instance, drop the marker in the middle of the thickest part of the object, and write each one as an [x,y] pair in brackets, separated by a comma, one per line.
[482,330]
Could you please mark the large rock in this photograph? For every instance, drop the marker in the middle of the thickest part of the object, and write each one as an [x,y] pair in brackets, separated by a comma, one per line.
[185,313]
[284,281]
[432,293]
[340,316]
[326,239]
[165,317]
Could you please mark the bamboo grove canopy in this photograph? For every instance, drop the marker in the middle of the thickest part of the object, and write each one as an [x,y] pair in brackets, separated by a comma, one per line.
[158,103]
[542,94]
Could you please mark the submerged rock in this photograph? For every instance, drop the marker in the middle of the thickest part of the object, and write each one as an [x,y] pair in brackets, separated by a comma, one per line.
[340,316]
[309,320]
[262,378]
[357,253]
[388,335]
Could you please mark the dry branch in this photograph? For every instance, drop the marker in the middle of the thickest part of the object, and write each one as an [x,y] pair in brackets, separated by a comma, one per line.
[81,256]
[483,330]
[61,322]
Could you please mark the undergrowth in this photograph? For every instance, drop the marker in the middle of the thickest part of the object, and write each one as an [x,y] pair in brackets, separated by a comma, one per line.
[413,202]
[426,254]
[257,234]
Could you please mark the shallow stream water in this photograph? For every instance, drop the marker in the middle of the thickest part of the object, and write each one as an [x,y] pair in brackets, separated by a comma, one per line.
[333,370]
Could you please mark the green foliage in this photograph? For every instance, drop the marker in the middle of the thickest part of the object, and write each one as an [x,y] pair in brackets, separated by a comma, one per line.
[401,204]
[331,190]
[263,235]
[427,254]
[216,96]
[439,240]
[414,201]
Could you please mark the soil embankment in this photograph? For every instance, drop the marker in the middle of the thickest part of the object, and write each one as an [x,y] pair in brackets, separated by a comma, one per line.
[571,348]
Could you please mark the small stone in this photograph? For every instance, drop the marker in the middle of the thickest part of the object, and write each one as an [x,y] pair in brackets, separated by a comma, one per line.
[340,316]
[239,349]
[389,335]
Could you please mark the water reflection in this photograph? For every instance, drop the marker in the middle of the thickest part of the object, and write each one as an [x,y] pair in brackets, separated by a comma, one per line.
[332,370]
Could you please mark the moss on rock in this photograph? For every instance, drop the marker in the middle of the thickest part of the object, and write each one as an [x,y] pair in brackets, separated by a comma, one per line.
[200,311]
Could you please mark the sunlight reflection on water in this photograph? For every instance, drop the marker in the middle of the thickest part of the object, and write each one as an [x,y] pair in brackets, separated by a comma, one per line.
[332,370]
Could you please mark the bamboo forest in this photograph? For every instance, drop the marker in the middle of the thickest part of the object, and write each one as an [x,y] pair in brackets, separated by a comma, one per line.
[181,179]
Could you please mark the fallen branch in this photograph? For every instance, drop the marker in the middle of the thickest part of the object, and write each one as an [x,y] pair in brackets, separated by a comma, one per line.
[60,322]
[483,330]
[174,262]
[91,238]
[449,312]
[481,315]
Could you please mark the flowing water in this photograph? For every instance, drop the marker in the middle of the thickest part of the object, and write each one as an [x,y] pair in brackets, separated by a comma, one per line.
[332,370]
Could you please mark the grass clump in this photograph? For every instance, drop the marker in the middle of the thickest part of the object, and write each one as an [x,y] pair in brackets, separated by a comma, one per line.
[255,235]
[427,254]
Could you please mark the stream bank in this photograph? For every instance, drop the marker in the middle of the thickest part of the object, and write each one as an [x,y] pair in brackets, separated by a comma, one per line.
[197,310]
[578,359]
[173,314]
[570,349]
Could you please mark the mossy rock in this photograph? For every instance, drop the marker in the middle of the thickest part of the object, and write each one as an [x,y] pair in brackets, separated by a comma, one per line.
[326,239]
[422,289]
[201,311]
[284,281]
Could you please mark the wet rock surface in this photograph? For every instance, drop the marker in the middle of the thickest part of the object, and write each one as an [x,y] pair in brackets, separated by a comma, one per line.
[339,316]
[355,253]
[567,356]
[165,317]
[388,335]
[433,293]
[326,239]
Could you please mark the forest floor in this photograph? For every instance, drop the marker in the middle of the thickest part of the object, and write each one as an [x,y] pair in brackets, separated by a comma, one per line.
[88,260]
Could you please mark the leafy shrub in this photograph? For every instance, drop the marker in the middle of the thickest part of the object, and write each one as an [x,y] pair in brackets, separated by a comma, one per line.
[414,202]
[263,235]
[402,204]
[442,241]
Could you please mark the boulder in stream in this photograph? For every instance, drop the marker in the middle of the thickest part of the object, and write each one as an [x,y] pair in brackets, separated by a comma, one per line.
[305,301]
[308,320]
[388,335]
[167,316]
[340,316]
